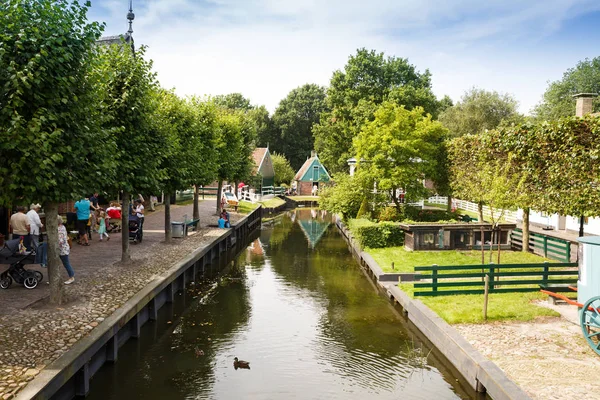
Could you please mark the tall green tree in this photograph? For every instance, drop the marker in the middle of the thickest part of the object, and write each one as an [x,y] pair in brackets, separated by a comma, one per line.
[368,79]
[233,101]
[399,149]
[284,173]
[293,121]
[479,110]
[52,139]
[132,100]
[558,99]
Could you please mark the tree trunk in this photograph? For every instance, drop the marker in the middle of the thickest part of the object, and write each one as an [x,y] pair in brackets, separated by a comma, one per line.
[219,188]
[125,256]
[480,211]
[54,262]
[525,247]
[581,222]
[236,189]
[196,214]
[168,232]
[449,204]
[499,235]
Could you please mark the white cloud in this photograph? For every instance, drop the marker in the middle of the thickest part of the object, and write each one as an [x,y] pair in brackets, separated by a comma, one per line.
[265,48]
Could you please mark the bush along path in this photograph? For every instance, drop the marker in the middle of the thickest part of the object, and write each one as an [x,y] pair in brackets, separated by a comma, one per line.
[34,337]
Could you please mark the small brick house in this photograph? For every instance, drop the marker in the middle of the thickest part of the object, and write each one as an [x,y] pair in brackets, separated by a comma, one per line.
[311,173]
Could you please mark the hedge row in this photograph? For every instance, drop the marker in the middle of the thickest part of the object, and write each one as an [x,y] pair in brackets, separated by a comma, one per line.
[376,235]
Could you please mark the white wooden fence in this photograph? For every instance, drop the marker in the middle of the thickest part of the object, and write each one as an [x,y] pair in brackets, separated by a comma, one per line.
[509,215]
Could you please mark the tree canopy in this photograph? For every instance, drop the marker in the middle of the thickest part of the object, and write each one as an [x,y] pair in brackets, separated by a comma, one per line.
[399,148]
[558,99]
[293,121]
[368,79]
[478,110]
[283,171]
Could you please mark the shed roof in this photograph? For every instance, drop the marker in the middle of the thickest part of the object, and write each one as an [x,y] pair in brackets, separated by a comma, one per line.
[258,157]
[304,168]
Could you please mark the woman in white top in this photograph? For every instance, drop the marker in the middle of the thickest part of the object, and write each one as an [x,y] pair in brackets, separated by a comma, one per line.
[35,224]
[139,211]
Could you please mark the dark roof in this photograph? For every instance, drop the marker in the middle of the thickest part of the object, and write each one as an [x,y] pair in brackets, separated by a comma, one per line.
[116,39]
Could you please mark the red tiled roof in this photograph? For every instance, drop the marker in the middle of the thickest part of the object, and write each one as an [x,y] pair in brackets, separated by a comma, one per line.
[257,156]
[303,169]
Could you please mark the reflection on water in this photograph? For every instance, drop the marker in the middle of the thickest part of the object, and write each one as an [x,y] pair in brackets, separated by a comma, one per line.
[297,307]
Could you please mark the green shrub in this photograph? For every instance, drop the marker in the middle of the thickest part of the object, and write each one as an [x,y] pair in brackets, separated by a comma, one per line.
[363,211]
[390,214]
[376,235]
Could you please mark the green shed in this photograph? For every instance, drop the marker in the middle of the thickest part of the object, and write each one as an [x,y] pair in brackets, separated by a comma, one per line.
[312,173]
[263,165]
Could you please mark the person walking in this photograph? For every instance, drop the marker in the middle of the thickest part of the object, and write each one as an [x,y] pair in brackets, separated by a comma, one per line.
[64,250]
[139,211]
[93,208]
[35,227]
[20,226]
[102,220]
[82,207]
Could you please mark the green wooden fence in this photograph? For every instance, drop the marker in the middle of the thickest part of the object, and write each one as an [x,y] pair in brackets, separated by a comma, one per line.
[469,279]
[547,246]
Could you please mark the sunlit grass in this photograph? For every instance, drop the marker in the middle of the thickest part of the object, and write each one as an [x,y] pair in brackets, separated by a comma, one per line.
[246,207]
[405,261]
[468,308]
[304,198]
[272,203]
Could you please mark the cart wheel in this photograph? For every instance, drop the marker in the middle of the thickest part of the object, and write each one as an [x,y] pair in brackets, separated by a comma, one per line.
[30,282]
[38,275]
[5,282]
[590,323]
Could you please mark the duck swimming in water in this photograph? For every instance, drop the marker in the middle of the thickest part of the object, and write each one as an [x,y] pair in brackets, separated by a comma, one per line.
[240,364]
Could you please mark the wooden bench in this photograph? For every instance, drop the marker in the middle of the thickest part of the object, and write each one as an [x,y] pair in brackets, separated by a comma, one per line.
[557,288]
[192,225]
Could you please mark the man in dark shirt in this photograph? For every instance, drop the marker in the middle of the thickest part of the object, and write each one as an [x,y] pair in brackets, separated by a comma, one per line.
[93,208]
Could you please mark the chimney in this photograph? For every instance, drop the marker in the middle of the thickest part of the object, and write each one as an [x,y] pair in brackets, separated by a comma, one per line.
[584,103]
[313,153]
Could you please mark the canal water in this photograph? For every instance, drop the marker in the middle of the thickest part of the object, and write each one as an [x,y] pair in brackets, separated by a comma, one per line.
[297,306]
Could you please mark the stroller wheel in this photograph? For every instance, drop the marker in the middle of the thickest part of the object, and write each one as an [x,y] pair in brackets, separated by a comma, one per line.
[5,282]
[38,275]
[30,282]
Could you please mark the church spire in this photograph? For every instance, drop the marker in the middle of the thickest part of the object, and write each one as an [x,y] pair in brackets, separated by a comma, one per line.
[130,17]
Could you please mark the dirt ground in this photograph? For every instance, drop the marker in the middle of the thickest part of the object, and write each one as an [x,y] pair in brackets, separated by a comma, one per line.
[548,357]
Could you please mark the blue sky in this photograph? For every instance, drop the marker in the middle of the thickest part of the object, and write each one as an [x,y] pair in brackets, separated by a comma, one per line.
[265,48]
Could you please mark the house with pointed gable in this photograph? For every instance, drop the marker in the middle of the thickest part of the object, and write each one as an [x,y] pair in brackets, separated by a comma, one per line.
[263,165]
[312,173]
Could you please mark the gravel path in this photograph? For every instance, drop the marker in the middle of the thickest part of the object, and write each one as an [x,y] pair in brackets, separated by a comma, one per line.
[32,338]
[548,358]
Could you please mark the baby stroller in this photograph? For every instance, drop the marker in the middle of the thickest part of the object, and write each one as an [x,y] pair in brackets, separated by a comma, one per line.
[135,229]
[9,254]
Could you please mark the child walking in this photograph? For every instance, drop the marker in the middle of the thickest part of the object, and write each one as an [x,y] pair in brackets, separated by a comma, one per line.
[102,229]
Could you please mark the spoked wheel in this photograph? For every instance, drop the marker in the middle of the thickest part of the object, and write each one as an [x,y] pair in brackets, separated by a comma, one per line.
[30,282]
[5,282]
[590,323]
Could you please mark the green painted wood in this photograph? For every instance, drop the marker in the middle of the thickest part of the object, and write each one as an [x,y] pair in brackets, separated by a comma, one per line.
[484,266]
[500,274]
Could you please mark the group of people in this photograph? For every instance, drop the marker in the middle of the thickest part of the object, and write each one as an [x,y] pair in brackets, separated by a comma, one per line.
[224,221]
[27,226]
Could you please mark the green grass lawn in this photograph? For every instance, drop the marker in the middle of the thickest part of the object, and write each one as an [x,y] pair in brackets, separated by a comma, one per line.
[304,198]
[246,207]
[405,261]
[469,308]
[272,203]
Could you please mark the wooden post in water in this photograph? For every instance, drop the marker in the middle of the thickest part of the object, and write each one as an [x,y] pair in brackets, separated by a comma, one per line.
[485,296]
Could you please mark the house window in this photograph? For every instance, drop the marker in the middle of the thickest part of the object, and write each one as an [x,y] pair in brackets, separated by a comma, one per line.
[428,238]
[315,173]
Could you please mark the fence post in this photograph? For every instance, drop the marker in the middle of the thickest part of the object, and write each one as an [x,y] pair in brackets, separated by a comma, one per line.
[434,278]
[568,252]
[545,246]
[491,277]
[545,275]
[485,296]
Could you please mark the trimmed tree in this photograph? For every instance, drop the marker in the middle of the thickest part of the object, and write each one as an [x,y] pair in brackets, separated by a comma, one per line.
[131,102]
[51,111]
